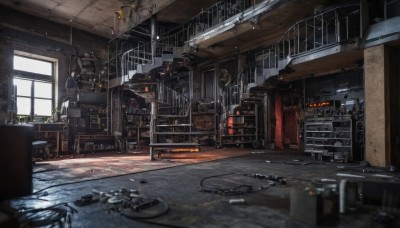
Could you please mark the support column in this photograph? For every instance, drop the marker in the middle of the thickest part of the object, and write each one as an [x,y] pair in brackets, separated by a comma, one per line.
[190,102]
[217,105]
[364,16]
[153,117]
[153,36]
[279,122]
[377,106]
[241,60]
[266,120]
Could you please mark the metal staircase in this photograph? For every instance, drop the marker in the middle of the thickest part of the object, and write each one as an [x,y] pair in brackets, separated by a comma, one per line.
[236,93]
[137,64]
[172,126]
[178,104]
[143,71]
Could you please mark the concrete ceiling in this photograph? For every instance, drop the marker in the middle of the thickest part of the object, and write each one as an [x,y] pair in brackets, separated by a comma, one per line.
[97,16]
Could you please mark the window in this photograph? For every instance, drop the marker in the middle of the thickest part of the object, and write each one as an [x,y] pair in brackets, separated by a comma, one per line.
[33,78]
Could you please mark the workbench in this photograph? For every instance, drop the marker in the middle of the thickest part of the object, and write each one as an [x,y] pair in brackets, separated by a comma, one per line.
[52,133]
[94,142]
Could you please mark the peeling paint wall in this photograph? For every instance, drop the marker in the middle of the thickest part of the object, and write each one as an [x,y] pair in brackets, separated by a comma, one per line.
[4,73]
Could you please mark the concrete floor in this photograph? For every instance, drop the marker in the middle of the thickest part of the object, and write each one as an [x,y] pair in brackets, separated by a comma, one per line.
[176,178]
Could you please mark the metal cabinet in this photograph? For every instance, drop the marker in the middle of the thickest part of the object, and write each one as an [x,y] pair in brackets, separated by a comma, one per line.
[329,136]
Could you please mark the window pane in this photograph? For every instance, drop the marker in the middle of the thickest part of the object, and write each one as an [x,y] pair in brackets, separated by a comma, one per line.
[42,89]
[42,107]
[32,65]
[23,87]
[23,106]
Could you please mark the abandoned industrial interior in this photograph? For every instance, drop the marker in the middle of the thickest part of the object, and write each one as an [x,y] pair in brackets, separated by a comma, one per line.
[200,113]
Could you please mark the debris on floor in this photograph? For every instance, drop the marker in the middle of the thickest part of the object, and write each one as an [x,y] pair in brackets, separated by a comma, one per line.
[128,202]
[274,179]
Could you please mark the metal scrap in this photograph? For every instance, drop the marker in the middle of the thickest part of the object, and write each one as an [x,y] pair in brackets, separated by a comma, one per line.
[236,201]
[130,203]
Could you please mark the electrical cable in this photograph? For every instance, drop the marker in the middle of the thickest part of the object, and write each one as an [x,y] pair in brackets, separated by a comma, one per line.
[121,175]
[40,217]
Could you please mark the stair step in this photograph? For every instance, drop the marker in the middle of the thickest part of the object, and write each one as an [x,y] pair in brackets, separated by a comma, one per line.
[185,133]
[188,144]
[150,95]
[174,125]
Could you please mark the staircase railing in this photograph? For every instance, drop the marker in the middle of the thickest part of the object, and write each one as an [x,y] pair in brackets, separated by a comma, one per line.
[234,90]
[178,37]
[210,17]
[131,59]
[337,24]
[173,98]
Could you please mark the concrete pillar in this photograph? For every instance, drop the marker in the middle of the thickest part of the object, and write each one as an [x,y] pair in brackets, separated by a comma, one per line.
[278,122]
[377,106]
[153,118]
[266,120]
[153,36]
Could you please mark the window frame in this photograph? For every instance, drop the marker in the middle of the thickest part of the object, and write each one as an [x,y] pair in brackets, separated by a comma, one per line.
[36,77]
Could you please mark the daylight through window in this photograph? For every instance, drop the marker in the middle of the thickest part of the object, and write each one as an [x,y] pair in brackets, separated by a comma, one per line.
[34,81]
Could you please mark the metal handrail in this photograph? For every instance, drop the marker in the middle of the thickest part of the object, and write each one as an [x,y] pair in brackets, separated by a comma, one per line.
[173,98]
[235,89]
[321,30]
[296,40]
[207,18]
[132,58]
[210,17]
